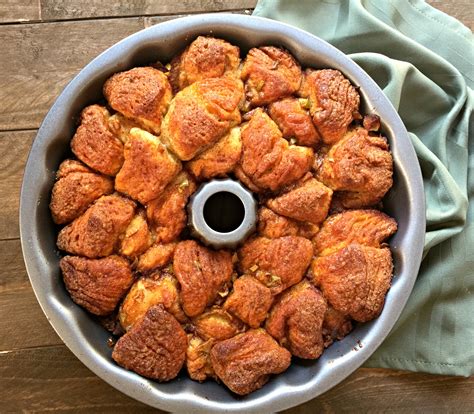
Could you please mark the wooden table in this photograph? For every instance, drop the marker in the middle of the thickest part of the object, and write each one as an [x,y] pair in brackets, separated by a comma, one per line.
[44,43]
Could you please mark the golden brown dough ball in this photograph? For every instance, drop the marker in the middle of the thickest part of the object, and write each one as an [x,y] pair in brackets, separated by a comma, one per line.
[209,328]
[218,160]
[201,114]
[158,288]
[137,237]
[96,284]
[206,57]
[95,144]
[97,232]
[336,326]
[333,102]
[272,226]
[141,94]
[198,358]
[148,168]
[155,347]
[250,301]
[355,280]
[167,213]
[277,263]
[296,320]
[366,227]
[307,201]
[245,362]
[217,324]
[75,189]
[359,167]
[292,117]
[268,161]
[202,274]
[270,73]
[157,256]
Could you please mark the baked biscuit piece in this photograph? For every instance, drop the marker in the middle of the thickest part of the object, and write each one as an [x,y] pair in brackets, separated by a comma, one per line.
[202,273]
[148,168]
[295,123]
[160,287]
[198,358]
[267,158]
[270,73]
[96,284]
[296,320]
[157,256]
[155,347]
[95,144]
[201,114]
[333,102]
[277,263]
[97,232]
[141,94]
[75,189]
[366,227]
[355,280]
[336,326]
[249,300]
[137,237]
[217,324]
[245,362]
[206,57]
[218,160]
[209,328]
[167,213]
[359,167]
[308,201]
[272,226]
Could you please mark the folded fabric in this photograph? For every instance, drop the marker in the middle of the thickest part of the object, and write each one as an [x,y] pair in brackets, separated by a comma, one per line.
[423,60]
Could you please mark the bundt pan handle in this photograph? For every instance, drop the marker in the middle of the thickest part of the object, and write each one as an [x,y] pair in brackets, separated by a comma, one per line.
[304,380]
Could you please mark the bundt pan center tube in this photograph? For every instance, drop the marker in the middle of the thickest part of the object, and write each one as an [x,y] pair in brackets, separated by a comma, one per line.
[87,339]
[222,213]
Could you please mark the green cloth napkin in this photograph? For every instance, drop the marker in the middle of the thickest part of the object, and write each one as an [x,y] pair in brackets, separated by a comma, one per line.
[423,60]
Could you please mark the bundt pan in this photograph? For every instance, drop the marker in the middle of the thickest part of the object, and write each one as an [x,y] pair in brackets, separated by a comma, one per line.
[88,340]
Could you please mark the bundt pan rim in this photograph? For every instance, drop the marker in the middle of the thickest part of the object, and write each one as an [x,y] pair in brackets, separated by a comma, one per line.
[304,380]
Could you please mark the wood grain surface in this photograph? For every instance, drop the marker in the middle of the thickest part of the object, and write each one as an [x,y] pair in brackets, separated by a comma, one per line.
[44,44]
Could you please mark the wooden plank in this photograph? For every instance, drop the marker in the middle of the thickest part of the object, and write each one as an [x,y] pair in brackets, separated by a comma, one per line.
[25,373]
[14,147]
[23,323]
[42,58]
[79,9]
[53,379]
[19,10]
[462,10]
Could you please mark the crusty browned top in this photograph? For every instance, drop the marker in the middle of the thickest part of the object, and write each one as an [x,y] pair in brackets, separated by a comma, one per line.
[142,94]
[202,273]
[75,189]
[201,114]
[95,144]
[154,347]
[96,233]
[267,159]
[296,320]
[96,284]
[360,166]
[333,102]
[245,362]
[270,73]
[206,57]
[277,263]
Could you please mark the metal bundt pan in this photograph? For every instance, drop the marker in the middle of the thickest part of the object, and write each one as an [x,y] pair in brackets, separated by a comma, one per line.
[304,380]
